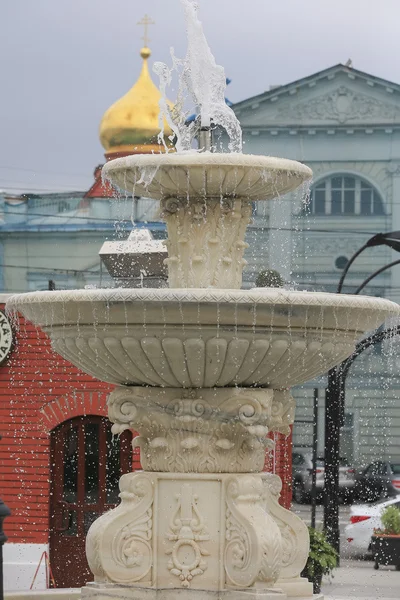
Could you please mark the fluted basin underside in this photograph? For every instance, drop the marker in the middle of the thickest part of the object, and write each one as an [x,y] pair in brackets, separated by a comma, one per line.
[203,338]
[206,175]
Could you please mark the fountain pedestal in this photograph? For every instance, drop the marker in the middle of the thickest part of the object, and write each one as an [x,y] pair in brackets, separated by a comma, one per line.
[201,520]
[206,241]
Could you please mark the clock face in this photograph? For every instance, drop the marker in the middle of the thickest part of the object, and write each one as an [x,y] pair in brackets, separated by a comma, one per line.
[6,337]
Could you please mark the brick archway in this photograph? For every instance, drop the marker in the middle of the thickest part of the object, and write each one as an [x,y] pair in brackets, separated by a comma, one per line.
[75,404]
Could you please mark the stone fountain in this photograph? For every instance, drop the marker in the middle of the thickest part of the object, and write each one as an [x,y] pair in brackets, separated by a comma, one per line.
[203,371]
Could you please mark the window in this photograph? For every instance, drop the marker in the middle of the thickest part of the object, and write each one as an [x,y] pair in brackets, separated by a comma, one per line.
[345,195]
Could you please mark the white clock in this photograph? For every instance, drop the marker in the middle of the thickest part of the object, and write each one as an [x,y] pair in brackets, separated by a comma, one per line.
[6,337]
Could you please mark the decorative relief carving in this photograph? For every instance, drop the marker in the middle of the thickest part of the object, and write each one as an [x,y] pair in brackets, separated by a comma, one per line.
[188,531]
[206,241]
[119,543]
[342,105]
[394,169]
[294,533]
[260,540]
[232,358]
[253,541]
[282,412]
[201,430]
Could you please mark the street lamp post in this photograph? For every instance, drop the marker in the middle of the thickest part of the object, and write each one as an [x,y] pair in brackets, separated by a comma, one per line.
[334,404]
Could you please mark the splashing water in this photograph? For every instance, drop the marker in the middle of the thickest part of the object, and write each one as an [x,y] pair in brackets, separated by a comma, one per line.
[201,78]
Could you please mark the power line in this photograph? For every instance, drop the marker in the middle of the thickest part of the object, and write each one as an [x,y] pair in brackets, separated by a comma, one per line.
[119,197]
[42,172]
[76,271]
[29,189]
[51,269]
[128,221]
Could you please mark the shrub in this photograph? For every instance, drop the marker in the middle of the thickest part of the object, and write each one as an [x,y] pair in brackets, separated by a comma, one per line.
[269,278]
[391,521]
[322,558]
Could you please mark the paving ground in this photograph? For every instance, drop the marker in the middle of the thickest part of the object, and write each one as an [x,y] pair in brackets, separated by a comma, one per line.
[356,577]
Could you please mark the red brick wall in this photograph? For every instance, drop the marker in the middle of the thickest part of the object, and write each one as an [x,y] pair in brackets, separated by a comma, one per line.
[39,390]
[279,461]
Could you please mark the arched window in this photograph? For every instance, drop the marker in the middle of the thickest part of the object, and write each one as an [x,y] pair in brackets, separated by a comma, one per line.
[345,195]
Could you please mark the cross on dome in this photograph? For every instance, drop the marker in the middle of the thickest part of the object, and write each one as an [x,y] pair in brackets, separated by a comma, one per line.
[146,21]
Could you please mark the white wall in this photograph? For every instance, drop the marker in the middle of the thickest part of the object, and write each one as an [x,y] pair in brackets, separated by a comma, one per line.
[20,562]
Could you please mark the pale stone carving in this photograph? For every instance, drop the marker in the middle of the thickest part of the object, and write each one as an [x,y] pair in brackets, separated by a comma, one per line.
[259,540]
[206,241]
[188,531]
[202,431]
[189,534]
[282,412]
[118,545]
[342,105]
[295,540]
[264,337]
[206,175]
[253,542]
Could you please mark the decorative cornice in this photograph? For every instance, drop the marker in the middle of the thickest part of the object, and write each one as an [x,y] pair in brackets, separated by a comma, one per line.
[201,431]
[342,105]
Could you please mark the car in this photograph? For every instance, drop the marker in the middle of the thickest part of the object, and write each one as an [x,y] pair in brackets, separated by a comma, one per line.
[364,518]
[380,479]
[302,476]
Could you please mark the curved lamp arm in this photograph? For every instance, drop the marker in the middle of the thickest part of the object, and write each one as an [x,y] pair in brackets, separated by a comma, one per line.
[374,274]
[347,267]
[375,338]
[379,239]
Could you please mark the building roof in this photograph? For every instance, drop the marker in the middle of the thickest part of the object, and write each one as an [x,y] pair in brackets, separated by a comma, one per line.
[310,80]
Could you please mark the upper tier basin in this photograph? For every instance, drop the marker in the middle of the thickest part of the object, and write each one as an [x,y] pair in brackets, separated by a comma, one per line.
[206,202]
[206,175]
[203,338]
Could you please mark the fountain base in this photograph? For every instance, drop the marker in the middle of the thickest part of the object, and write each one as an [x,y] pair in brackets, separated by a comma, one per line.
[94,591]
[201,534]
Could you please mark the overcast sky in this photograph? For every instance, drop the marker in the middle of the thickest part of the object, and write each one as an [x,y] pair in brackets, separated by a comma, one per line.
[64,62]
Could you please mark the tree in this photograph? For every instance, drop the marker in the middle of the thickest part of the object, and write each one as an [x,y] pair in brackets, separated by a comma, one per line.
[269,278]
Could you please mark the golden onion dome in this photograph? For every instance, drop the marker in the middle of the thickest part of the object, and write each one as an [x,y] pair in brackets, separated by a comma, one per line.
[131,124]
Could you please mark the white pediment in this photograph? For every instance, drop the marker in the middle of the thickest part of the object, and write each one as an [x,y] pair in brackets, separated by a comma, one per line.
[343,105]
[340,100]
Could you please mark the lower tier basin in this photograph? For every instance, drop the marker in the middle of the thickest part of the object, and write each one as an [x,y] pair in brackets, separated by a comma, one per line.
[203,338]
